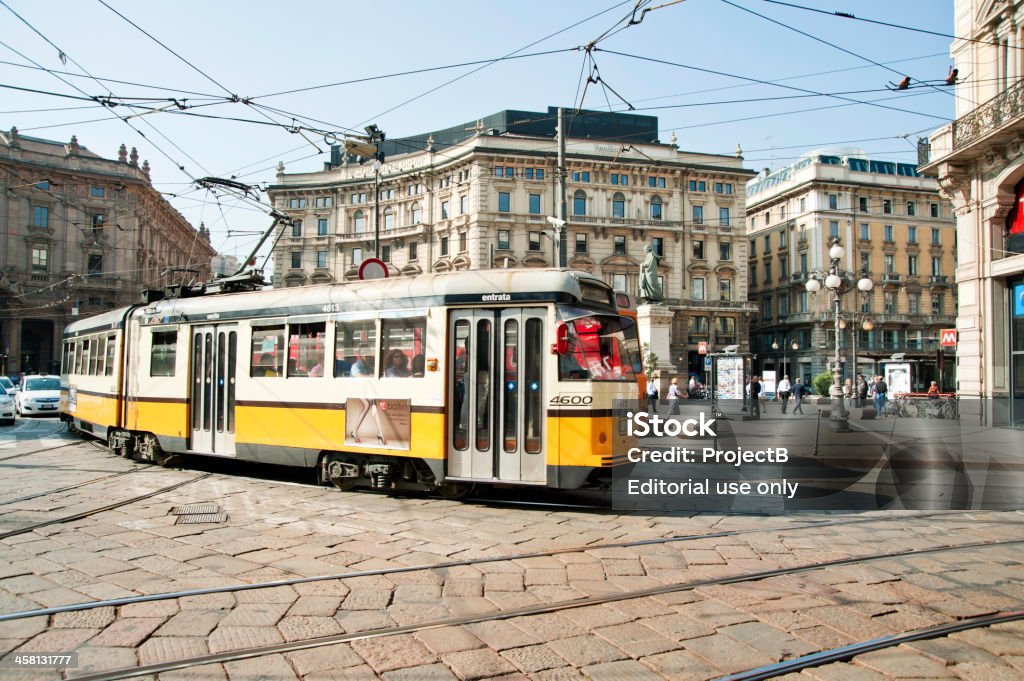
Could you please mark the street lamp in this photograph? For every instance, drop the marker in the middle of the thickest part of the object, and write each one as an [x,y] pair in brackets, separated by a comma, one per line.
[837,286]
[370,147]
[785,344]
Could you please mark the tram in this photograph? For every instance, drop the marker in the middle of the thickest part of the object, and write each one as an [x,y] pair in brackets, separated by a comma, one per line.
[434,382]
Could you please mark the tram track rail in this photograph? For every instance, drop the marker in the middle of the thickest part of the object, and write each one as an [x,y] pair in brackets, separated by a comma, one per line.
[380,572]
[847,652]
[69,487]
[558,606]
[109,507]
[37,451]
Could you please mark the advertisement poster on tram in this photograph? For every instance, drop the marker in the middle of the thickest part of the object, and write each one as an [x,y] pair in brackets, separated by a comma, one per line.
[382,423]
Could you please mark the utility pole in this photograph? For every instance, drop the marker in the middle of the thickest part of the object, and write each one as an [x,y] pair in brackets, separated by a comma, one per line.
[370,147]
[561,235]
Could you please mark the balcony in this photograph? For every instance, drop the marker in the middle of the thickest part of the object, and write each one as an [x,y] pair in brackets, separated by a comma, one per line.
[938,280]
[798,277]
[734,305]
[892,278]
[996,113]
[891,318]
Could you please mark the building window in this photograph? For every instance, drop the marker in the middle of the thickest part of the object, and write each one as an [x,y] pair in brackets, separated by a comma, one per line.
[417,213]
[619,247]
[658,182]
[911,208]
[935,210]
[803,204]
[581,242]
[890,263]
[95,264]
[783,306]
[463,204]
[911,235]
[296,260]
[766,307]
[97,223]
[323,202]
[296,228]
[936,236]
[698,288]
[887,233]
[444,210]
[98,192]
[579,202]
[581,176]
[833,229]
[753,272]
[725,289]
[936,267]
[534,204]
[695,186]
[890,302]
[658,246]
[620,179]
[40,256]
[803,262]
[937,303]
[863,204]
[656,206]
[503,240]
[912,265]
[698,215]
[359,222]
[723,217]
[321,259]
[865,231]
[698,249]
[413,250]
[767,243]
[725,251]
[782,239]
[619,282]
[887,206]
[618,205]
[40,216]
[914,303]
[767,271]
[534,243]
[833,201]
[444,246]
[321,227]
[385,253]
[504,202]
[463,242]
[783,268]
[504,171]
[723,187]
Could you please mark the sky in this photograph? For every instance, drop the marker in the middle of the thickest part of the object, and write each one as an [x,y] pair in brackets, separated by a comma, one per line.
[777,79]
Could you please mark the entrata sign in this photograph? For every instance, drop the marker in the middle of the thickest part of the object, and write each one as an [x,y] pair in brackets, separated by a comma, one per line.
[702,348]
[947,338]
[373,268]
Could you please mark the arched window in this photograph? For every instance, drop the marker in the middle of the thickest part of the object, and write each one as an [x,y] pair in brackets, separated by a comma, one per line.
[579,202]
[358,222]
[389,218]
[618,205]
[417,213]
[656,208]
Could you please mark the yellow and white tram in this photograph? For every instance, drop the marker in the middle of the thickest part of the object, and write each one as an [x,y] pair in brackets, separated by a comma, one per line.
[434,382]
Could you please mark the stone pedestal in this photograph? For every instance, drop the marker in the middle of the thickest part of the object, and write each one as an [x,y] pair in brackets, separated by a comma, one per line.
[654,323]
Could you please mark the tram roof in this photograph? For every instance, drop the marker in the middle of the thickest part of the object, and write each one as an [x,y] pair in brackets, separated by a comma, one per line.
[508,286]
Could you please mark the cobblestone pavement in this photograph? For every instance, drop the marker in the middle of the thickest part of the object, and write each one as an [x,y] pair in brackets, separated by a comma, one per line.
[277,530]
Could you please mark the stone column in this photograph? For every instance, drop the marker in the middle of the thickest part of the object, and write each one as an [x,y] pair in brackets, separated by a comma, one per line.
[654,323]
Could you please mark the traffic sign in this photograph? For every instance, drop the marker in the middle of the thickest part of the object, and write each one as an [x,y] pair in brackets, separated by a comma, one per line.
[702,348]
[947,338]
[373,268]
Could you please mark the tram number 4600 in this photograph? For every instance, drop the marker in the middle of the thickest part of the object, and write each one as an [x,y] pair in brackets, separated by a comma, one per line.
[572,400]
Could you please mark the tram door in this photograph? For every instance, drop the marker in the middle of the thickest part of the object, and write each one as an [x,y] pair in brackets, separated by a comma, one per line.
[212,402]
[496,420]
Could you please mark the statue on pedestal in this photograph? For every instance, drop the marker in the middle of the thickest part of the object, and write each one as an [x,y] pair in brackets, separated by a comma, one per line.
[650,286]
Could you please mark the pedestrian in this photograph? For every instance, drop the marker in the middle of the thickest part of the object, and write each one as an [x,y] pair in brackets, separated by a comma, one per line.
[933,391]
[881,390]
[674,395]
[691,387]
[847,392]
[862,391]
[799,390]
[785,388]
[755,397]
[652,396]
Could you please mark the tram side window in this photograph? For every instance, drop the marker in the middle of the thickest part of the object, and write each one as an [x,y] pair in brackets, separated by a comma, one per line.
[404,347]
[111,350]
[77,358]
[267,351]
[306,349]
[164,354]
[99,354]
[355,349]
[86,350]
[601,348]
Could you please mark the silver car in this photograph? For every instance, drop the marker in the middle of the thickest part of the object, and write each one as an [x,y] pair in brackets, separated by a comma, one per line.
[7,386]
[39,396]
[6,408]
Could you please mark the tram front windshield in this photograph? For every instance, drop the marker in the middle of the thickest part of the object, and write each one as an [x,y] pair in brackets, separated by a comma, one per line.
[601,348]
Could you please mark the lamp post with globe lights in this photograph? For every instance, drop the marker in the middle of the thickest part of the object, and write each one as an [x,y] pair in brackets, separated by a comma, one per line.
[785,343]
[837,286]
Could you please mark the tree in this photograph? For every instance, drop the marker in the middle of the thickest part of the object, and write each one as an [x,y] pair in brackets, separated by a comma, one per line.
[650,361]
[822,382]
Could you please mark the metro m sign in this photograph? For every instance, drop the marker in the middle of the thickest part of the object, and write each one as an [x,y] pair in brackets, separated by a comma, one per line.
[702,348]
[947,338]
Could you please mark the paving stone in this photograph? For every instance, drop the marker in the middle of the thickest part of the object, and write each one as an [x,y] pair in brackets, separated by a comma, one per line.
[207,672]
[477,664]
[367,599]
[363,620]
[678,627]
[164,648]
[360,673]
[531,659]
[636,639]
[93,658]
[996,641]
[904,664]
[393,652]
[192,623]
[449,640]
[323,658]
[503,634]
[842,672]
[768,640]
[127,632]
[274,667]
[727,653]
[986,671]
[581,651]
[255,615]
[430,672]
[58,640]
[503,582]
[680,665]
[234,638]
[315,606]
[560,674]
[298,628]
[619,671]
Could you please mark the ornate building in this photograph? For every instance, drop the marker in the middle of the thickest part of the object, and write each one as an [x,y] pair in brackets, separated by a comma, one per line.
[479,195]
[979,162]
[83,234]
[896,230]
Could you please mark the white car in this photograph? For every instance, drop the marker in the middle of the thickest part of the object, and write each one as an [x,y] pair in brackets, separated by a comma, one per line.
[39,395]
[6,408]
[7,386]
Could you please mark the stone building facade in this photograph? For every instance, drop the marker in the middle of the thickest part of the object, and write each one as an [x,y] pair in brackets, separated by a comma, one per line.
[479,196]
[979,163]
[83,234]
[896,229]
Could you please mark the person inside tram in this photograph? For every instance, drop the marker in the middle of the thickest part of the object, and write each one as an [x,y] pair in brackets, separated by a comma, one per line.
[418,365]
[363,366]
[397,365]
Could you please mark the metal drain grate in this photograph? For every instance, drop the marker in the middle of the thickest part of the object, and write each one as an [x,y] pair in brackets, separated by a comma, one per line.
[195,508]
[200,518]
[196,514]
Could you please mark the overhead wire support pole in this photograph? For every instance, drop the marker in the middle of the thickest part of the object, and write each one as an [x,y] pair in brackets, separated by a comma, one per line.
[561,236]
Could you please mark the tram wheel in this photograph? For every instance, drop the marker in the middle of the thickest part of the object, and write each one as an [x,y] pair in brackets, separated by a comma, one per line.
[150,451]
[455,490]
